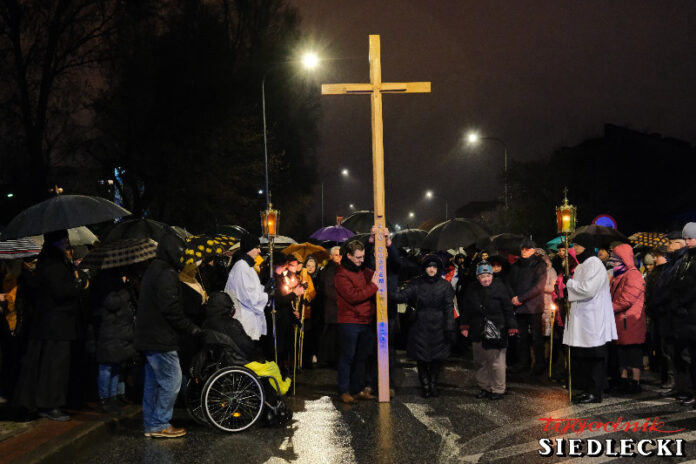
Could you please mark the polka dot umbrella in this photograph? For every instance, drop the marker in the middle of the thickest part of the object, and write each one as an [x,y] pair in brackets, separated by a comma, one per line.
[202,247]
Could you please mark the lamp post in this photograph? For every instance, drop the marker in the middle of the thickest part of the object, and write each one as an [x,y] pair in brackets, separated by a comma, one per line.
[566,216]
[269,227]
[430,195]
[474,138]
[269,217]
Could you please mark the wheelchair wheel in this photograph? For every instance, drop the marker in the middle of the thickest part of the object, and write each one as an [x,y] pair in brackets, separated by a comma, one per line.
[232,399]
[192,398]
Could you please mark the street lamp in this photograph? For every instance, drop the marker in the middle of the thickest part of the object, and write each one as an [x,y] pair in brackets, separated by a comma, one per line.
[411,214]
[430,195]
[474,138]
[309,61]
[345,173]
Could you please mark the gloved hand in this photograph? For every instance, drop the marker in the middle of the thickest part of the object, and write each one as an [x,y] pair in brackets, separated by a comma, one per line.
[464,329]
[513,332]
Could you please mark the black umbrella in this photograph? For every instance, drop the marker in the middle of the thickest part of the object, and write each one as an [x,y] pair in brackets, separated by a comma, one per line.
[603,236]
[139,228]
[453,234]
[408,238]
[507,241]
[361,222]
[62,212]
[233,231]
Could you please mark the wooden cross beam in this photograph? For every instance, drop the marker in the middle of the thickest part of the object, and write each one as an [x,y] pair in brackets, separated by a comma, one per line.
[376,88]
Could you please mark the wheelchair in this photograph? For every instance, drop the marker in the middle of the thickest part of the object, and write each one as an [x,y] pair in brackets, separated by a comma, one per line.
[222,393]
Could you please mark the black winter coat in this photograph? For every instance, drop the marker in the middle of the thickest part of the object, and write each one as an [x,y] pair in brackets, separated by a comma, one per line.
[493,302]
[527,280]
[59,296]
[434,326]
[327,290]
[160,320]
[684,297]
[219,314]
[114,324]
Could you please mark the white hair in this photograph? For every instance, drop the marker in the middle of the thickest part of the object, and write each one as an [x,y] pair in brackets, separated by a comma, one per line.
[335,248]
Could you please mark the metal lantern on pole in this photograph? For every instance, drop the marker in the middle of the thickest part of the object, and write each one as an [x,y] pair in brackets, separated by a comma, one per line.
[269,227]
[269,222]
[566,217]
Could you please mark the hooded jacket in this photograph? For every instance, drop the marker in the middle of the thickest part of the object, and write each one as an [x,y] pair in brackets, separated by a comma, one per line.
[114,320]
[219,317]
[354,293]
[527,279]
[433,300]
[628,296]
[160,321]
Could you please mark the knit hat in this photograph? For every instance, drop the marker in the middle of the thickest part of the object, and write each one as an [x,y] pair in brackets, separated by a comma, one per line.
[689,230]
[432,260]
[585,241]
[484,268]
[249,242]
[527,243]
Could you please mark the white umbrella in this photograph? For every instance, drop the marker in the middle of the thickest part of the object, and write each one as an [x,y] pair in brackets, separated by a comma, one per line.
[77,236]
[279,239]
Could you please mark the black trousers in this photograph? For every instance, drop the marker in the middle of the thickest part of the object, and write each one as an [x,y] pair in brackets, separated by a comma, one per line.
[530,335]
[589,369]
[328,345]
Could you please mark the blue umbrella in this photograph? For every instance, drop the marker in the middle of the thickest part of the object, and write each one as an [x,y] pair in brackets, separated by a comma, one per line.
[553,244]
[333,233]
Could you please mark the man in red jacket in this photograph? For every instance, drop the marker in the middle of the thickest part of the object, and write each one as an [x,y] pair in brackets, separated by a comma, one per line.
[356,287]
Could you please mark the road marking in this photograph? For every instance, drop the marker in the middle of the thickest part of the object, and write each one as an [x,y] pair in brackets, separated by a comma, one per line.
[319,427]
[449,450]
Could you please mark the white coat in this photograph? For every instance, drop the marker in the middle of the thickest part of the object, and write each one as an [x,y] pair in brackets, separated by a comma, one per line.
[591,320]
[245,288]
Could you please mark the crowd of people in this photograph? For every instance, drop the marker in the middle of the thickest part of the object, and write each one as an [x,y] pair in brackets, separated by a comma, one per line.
[127,334]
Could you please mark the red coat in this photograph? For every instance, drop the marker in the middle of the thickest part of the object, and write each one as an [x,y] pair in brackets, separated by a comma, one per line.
[354,296]
[627,296]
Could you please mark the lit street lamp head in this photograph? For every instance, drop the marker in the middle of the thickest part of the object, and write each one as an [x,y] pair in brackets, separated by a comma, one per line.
[310,60]
[344,172]
[472,137]
[411,214]
[429,194]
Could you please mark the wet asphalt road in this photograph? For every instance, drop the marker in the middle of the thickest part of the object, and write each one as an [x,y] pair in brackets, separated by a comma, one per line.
[456,427]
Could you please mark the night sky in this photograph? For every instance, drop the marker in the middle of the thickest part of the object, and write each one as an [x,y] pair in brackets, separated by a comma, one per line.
[537,74]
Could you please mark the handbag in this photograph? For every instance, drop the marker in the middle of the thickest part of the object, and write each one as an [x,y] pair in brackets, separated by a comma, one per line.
[491,335]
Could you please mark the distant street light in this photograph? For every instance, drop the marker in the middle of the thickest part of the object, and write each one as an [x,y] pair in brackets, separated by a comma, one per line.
[474,138]
[430,195]
[310,60]
[351,206]
[260,191]
[345,172]
[411,214]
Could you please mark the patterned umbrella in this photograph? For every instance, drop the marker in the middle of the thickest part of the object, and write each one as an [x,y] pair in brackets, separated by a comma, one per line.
[120,253]
[202,247]
[648,239]
[20,248]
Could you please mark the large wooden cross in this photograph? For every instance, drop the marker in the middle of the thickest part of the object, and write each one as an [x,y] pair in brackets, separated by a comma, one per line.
[376,88]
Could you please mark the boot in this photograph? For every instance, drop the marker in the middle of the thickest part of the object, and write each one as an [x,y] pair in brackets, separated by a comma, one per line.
[424,378]
[434,374]
[633,387]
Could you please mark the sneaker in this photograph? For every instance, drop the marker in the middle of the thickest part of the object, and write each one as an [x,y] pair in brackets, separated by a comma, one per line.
[55,414]
[169,432]
[347,398]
